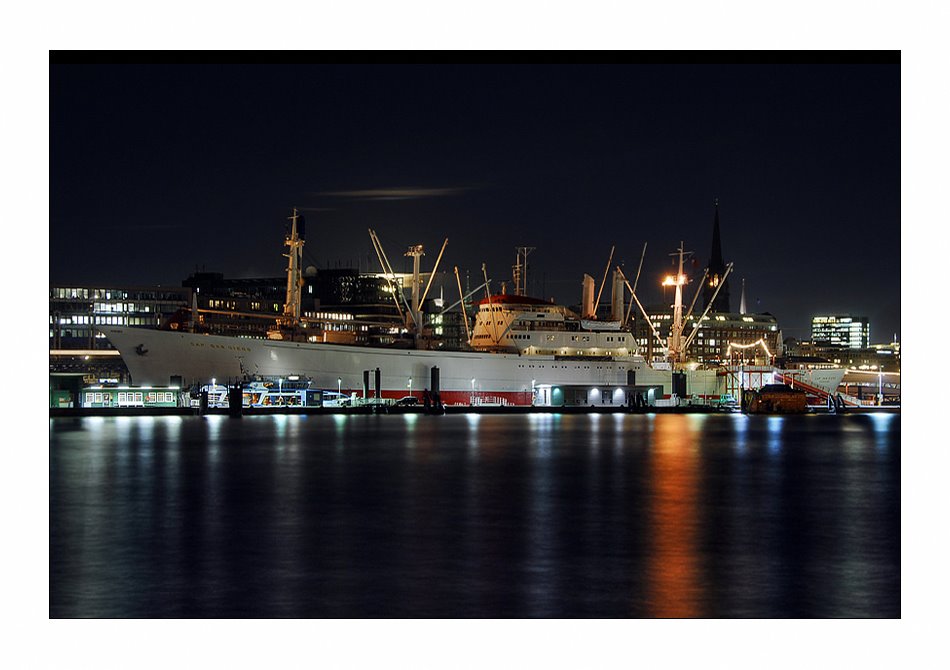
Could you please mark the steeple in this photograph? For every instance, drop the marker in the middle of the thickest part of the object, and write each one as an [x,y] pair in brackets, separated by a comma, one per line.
[742,308]
[717,268]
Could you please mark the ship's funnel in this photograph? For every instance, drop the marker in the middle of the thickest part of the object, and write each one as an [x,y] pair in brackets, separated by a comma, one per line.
[587,301]
[616,297]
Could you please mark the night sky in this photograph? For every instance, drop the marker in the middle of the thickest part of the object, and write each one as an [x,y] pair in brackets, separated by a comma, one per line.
[158,170]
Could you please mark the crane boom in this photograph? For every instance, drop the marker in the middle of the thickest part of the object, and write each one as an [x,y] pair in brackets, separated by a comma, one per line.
[604,281]
[468,334]
[708,307]
[434,268]
[388,270]
[642,311]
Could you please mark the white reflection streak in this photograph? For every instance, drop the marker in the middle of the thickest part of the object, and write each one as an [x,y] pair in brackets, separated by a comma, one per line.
[146,440]
[882,426]
[740,426]
[594,435]
[213,425]
[473,443]
[286,519]
[540,560]
[775,434]
[293,431]
[122,426]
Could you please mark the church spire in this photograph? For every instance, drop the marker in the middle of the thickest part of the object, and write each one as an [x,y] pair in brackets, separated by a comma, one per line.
[742,308]
[717,268]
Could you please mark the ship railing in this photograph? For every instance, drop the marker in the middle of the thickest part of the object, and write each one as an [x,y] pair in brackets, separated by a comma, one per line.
[494,401]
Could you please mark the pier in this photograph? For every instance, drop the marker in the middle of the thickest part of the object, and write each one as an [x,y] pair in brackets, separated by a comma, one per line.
[451,409]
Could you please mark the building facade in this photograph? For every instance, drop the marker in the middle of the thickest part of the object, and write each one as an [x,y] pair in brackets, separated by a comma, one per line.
[78,313]
[339,305]
[75,313]
[841,330]
[876,357]
[722,338]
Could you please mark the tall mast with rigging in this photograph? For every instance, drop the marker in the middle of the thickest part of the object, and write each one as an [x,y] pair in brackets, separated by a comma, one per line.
[676,332]
[295,242]
[289,319]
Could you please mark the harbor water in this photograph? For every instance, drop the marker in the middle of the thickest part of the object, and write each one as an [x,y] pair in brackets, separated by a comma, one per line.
[529,515]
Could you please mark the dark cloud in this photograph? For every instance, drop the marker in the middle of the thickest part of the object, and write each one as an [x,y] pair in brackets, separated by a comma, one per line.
[398,193]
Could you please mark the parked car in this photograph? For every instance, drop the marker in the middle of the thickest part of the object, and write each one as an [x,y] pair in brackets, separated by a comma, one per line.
[407,401]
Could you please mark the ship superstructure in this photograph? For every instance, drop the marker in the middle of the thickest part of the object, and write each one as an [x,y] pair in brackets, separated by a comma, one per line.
[529,326]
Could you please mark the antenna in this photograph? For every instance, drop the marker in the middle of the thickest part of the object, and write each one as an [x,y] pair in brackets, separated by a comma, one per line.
[519,271]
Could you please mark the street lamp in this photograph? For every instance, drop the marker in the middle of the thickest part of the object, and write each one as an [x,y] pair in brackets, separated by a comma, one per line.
[339,386]
[410,386]
[472,402]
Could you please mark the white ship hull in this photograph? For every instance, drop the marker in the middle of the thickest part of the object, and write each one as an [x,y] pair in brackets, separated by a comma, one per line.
[153,357]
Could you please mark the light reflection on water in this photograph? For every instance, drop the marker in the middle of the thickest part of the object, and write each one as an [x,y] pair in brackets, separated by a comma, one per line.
[673,579]
[538,515]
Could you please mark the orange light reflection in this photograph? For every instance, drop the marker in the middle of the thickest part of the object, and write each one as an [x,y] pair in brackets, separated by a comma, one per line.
[674,588]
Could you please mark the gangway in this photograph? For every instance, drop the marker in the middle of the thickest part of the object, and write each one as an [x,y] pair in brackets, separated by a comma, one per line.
[825,396]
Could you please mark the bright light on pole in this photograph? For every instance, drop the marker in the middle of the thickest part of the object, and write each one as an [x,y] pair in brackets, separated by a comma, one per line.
[339,386]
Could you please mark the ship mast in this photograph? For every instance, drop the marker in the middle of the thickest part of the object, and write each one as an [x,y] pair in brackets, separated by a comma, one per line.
[676,332]
[289,319]
[294,274]
[519,270]
[416,252]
